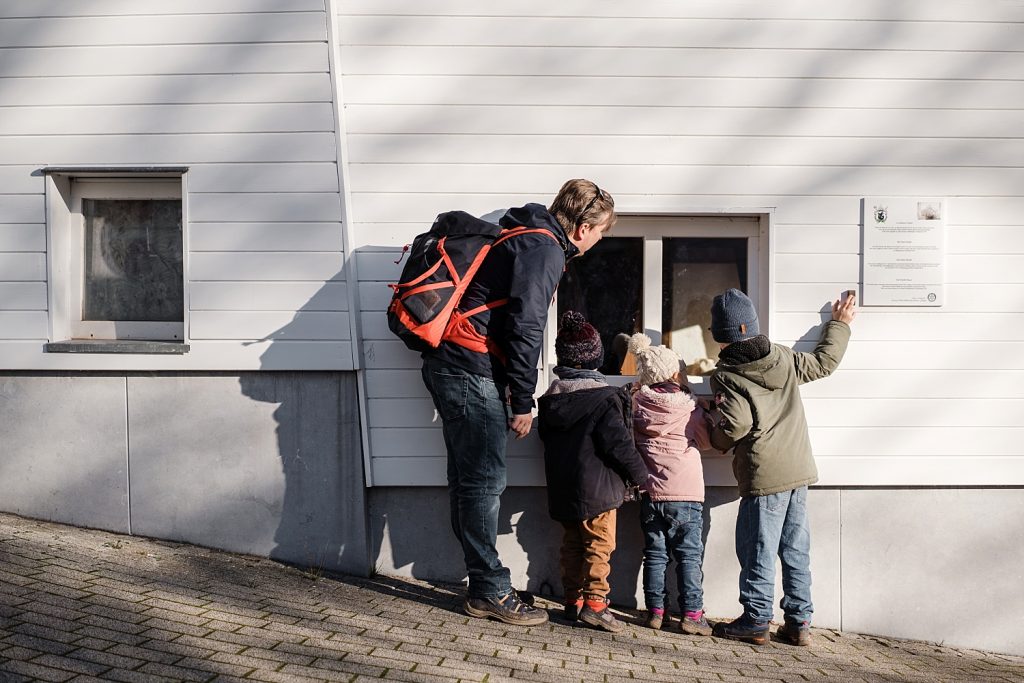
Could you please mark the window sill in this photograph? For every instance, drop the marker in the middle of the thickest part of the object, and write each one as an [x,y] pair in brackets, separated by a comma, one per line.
[116,346]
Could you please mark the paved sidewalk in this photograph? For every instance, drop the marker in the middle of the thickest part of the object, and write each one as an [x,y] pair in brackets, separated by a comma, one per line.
[89,605]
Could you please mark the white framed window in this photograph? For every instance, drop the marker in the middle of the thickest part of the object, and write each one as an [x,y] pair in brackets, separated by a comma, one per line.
[117,257]
[658,275]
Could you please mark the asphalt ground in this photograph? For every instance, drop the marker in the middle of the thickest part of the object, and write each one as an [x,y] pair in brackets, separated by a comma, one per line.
[86,605]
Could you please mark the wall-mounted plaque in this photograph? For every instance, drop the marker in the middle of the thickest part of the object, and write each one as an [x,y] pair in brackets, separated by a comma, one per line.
[904,251]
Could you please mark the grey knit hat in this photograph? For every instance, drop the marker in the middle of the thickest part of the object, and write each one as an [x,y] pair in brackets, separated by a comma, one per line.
[733,317]
[653,363]
[578,344]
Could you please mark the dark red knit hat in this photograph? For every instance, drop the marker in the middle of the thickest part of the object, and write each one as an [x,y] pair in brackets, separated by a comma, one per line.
[578,345]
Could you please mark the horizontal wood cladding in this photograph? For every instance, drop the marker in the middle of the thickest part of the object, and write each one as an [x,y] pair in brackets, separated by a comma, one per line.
[746,92]
[689,62]
[130,119]
[686,150]
[115,148]
[163,29]
[120,8]
[676,32]
[876,10]
[686,121]
[237,88]
[148,60]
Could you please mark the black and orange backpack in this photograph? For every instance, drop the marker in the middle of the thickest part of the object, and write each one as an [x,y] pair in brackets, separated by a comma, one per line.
[442,263]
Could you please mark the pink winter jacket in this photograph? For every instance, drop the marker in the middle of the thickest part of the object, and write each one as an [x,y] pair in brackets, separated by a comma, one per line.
[669,430]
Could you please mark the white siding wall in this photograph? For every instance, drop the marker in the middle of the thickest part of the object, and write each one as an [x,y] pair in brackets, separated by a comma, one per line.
[680,107]
[240,91]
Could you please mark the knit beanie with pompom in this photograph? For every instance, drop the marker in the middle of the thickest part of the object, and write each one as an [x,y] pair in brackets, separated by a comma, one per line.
[653,363]
[578,344]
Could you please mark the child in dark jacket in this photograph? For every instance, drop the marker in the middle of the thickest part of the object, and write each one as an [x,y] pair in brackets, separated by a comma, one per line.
[588,458]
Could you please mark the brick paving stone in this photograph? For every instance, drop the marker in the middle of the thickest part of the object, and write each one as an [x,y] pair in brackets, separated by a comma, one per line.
[37,671]
[306,673]
[50,631]
[107,634]
[144,653]
[238,638]
[71,664]
[90,643]
[151,611]
[180,673]
[108,659]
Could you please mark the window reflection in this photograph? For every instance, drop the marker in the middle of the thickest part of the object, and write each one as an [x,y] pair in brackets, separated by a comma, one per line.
[606,286]
[695,270]
[133,260]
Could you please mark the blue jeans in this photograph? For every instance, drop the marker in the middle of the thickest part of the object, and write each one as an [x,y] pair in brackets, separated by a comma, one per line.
[475,425]
[673,527]
[766,527]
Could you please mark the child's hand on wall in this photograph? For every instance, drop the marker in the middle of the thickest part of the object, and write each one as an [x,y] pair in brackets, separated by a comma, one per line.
[845,309]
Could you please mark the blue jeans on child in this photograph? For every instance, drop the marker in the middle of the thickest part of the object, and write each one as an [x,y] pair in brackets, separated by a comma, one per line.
[475,425]
[766,527]
[673,527]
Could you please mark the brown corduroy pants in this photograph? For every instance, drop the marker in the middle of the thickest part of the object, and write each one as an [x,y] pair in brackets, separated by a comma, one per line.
[586,554]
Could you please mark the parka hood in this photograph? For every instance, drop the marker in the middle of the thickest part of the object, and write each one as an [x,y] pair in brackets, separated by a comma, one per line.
[562,410]
[658,414]
[769,370]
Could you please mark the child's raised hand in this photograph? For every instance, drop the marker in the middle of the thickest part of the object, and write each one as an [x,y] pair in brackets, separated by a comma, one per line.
[845,309]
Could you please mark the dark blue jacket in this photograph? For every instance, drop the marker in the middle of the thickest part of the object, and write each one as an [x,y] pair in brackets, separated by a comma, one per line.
[526,271]
[588,451]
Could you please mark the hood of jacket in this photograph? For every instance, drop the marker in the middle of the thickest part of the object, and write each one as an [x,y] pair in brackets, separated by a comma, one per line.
[565,407]
[537,216]
[658,414]
[769,371]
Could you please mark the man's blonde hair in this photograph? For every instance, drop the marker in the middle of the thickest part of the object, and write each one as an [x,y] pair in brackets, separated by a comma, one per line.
[582,201]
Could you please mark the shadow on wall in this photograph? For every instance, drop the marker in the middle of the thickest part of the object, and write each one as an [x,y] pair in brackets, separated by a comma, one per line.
[321,510]
[411,535]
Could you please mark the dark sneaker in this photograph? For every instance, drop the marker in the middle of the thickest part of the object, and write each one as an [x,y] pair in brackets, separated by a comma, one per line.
[510,609]
[695,627]
[526,597]
[743,630]
[603,620]
[654,620]
[571,611]
[795,634]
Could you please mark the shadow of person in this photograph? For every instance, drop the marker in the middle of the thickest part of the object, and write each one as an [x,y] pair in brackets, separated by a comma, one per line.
[525,514]
[628,558]
[322,508]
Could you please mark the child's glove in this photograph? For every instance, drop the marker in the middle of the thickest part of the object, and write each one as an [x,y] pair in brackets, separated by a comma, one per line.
[633,492]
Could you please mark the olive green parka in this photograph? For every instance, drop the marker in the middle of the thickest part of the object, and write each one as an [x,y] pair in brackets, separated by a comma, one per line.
[760,414]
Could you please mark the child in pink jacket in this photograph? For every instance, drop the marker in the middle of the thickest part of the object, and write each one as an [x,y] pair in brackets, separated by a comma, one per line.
[669,428]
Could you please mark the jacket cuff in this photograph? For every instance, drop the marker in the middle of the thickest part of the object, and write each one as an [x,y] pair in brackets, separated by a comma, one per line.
[521,405]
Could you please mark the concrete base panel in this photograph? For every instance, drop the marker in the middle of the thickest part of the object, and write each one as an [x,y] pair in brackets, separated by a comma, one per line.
[265,463]
[65,447]
[942,565]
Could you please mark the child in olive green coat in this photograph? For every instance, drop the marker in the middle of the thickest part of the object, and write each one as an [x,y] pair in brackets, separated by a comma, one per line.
[758,414]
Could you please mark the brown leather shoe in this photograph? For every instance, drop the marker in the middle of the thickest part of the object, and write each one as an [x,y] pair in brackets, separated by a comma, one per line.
[795,634]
